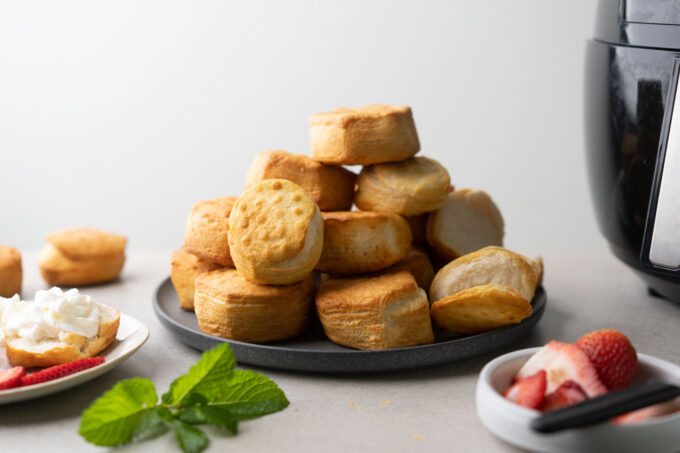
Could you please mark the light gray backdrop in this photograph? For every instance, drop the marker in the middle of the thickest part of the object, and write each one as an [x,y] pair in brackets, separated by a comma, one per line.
[120,114]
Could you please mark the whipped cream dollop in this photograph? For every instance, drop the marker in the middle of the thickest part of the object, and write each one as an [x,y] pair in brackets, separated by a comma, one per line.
[51,313]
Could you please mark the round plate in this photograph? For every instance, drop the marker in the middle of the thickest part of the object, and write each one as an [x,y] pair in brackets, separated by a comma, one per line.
[314,352]
[132,334]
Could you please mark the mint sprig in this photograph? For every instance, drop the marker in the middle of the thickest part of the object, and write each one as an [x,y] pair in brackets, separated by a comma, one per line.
[212,392]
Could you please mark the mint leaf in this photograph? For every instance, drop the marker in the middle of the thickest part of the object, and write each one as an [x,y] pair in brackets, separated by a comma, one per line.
[213,415]
[247,394]
[190,438]
[206,377]
[121,414]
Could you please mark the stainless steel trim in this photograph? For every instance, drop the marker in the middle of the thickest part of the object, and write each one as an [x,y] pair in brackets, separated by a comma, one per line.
[664,249]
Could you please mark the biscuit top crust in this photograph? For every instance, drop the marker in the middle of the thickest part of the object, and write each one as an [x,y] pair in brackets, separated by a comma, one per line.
[343,116]
[356,292]
[270,220]
[232,284]
[297,168]
[87,242]
[418,176]
[9,257]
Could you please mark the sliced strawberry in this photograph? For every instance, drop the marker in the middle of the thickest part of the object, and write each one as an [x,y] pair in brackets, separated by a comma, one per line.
[566,394]
[529,392]
[613,355]
[655,410]
[562,362]
[11,378]
[58,371]
[540,360]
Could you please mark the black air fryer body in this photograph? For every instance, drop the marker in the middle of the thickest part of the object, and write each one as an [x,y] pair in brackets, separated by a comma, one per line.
[632,142]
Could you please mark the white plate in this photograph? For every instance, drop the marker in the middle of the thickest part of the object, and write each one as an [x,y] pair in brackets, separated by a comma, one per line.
[510,422]
[131,335]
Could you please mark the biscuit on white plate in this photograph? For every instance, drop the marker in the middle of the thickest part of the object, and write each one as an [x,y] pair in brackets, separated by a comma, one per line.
[275,233]
[467,221]
[69,346]
[364,135]
[488,265]
[330,186]
[410,187]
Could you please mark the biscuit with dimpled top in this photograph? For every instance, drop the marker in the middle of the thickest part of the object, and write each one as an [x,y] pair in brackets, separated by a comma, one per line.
[275,233]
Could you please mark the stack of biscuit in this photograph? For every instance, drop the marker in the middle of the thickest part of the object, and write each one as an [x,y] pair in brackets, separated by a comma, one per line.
[247,264]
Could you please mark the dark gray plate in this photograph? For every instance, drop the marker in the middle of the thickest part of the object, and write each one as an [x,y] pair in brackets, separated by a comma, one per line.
[314,352]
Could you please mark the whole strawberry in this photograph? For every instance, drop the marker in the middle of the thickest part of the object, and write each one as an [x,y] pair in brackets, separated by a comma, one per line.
[612,355]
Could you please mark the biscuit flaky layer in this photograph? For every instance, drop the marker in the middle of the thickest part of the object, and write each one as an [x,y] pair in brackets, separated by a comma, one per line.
[490,265]
[230,306]
[11,272]
[331,187]
[363,136]
[184,268]
[467,221]
[206,232]
[358,242]
[480,309]
[410,187]
[380,312]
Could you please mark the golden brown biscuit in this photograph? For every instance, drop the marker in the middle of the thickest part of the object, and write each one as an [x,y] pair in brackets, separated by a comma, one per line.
[410,187]
[86,243]
[468,221]
[184,268]
[331,187]
[362,136]
[418,264]
[205,234]
[275,233]
[381,312]
[485,266]
[59,270]
[358,242]
[231,306]
[480,309]
[67,348]
[418,224]
[81,256]
[10,271]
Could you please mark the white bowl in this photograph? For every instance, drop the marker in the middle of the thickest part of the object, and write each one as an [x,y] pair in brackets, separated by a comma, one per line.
[510,422]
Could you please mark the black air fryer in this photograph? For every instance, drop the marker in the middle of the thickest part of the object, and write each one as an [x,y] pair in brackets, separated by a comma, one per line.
[633,135]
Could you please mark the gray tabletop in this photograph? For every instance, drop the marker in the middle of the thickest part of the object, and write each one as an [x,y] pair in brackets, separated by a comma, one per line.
[430,409]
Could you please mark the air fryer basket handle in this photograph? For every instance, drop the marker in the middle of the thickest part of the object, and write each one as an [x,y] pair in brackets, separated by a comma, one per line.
[661,241]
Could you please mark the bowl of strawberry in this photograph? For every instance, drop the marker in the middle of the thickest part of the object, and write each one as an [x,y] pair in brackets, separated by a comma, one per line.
[517,389]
